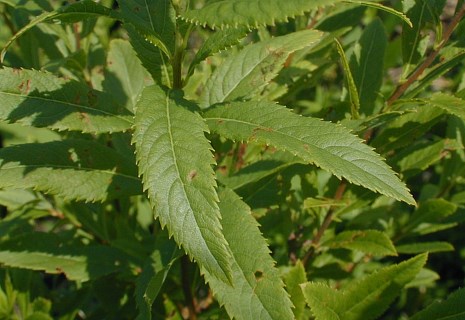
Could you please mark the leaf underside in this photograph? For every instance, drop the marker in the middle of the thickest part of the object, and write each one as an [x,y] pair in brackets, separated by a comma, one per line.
[329,146]
[257,291]
[41,99]
[175,162]
[251,13]
[73,169]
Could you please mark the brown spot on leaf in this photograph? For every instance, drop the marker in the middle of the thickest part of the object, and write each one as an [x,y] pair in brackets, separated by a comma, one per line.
[192,174]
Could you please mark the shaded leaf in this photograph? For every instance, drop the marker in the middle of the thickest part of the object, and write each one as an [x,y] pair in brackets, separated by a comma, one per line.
[351,87]
[372,242]
[421,156]
[155,19]
[124,74]
[450,309]
[73,169]
[219,40]
[379,6]
[155,61]
[404,129]
[259,170]
[48,252]
[154,273]
[41,99]
[246,72]
[448,103]
[175,162]
[293,278]
[429,215]
[257,290]
[367,64]
[420,247]
[325,144]
[364,299]
[71,13]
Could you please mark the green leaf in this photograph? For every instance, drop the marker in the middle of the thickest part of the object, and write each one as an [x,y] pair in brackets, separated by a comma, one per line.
[404,129]
[156,19]
[41,99]
[435,72]
[155,61]
[219,40]
[450,309]
[248,71]
[448,103]
[424,278]
[382,7]
[414,43]
[73,169]
[419,157]
[429,214]
[420,247]
[71,13]
[175,162]
[251,13]
[293,278]
[154,273]
[124,74]
[48,252]
[364,299]
[325,144]
[367,64]
[259,170]
[257,290]
[372,242]
[352,88]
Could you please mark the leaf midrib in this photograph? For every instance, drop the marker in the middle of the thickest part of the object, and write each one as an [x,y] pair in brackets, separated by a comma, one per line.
[178,176]
[294,138]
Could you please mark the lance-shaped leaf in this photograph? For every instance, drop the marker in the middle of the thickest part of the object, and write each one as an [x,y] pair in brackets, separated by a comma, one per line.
[367,64]
[293,278]
[156,19]
[448,103]
[218,41]
[52,254]
[124,75]
[175,162]
[364,299]
[152,57]
[257,290]
[330,146]
[251,13]
[72,13]
[247,71]
[450,309]
[73,169]
[154,273]
[41,99]
[372,242]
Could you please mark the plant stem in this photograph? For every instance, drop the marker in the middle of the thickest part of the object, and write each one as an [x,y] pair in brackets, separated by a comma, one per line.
[429,60]
[326,223]
[188,298]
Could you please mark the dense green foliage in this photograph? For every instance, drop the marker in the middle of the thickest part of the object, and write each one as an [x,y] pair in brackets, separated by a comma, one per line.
[206,159]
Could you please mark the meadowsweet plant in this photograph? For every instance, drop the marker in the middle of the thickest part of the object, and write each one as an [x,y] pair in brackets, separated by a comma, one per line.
[212,159]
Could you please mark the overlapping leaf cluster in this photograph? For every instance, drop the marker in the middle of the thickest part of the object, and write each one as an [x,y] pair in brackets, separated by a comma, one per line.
[160,120]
